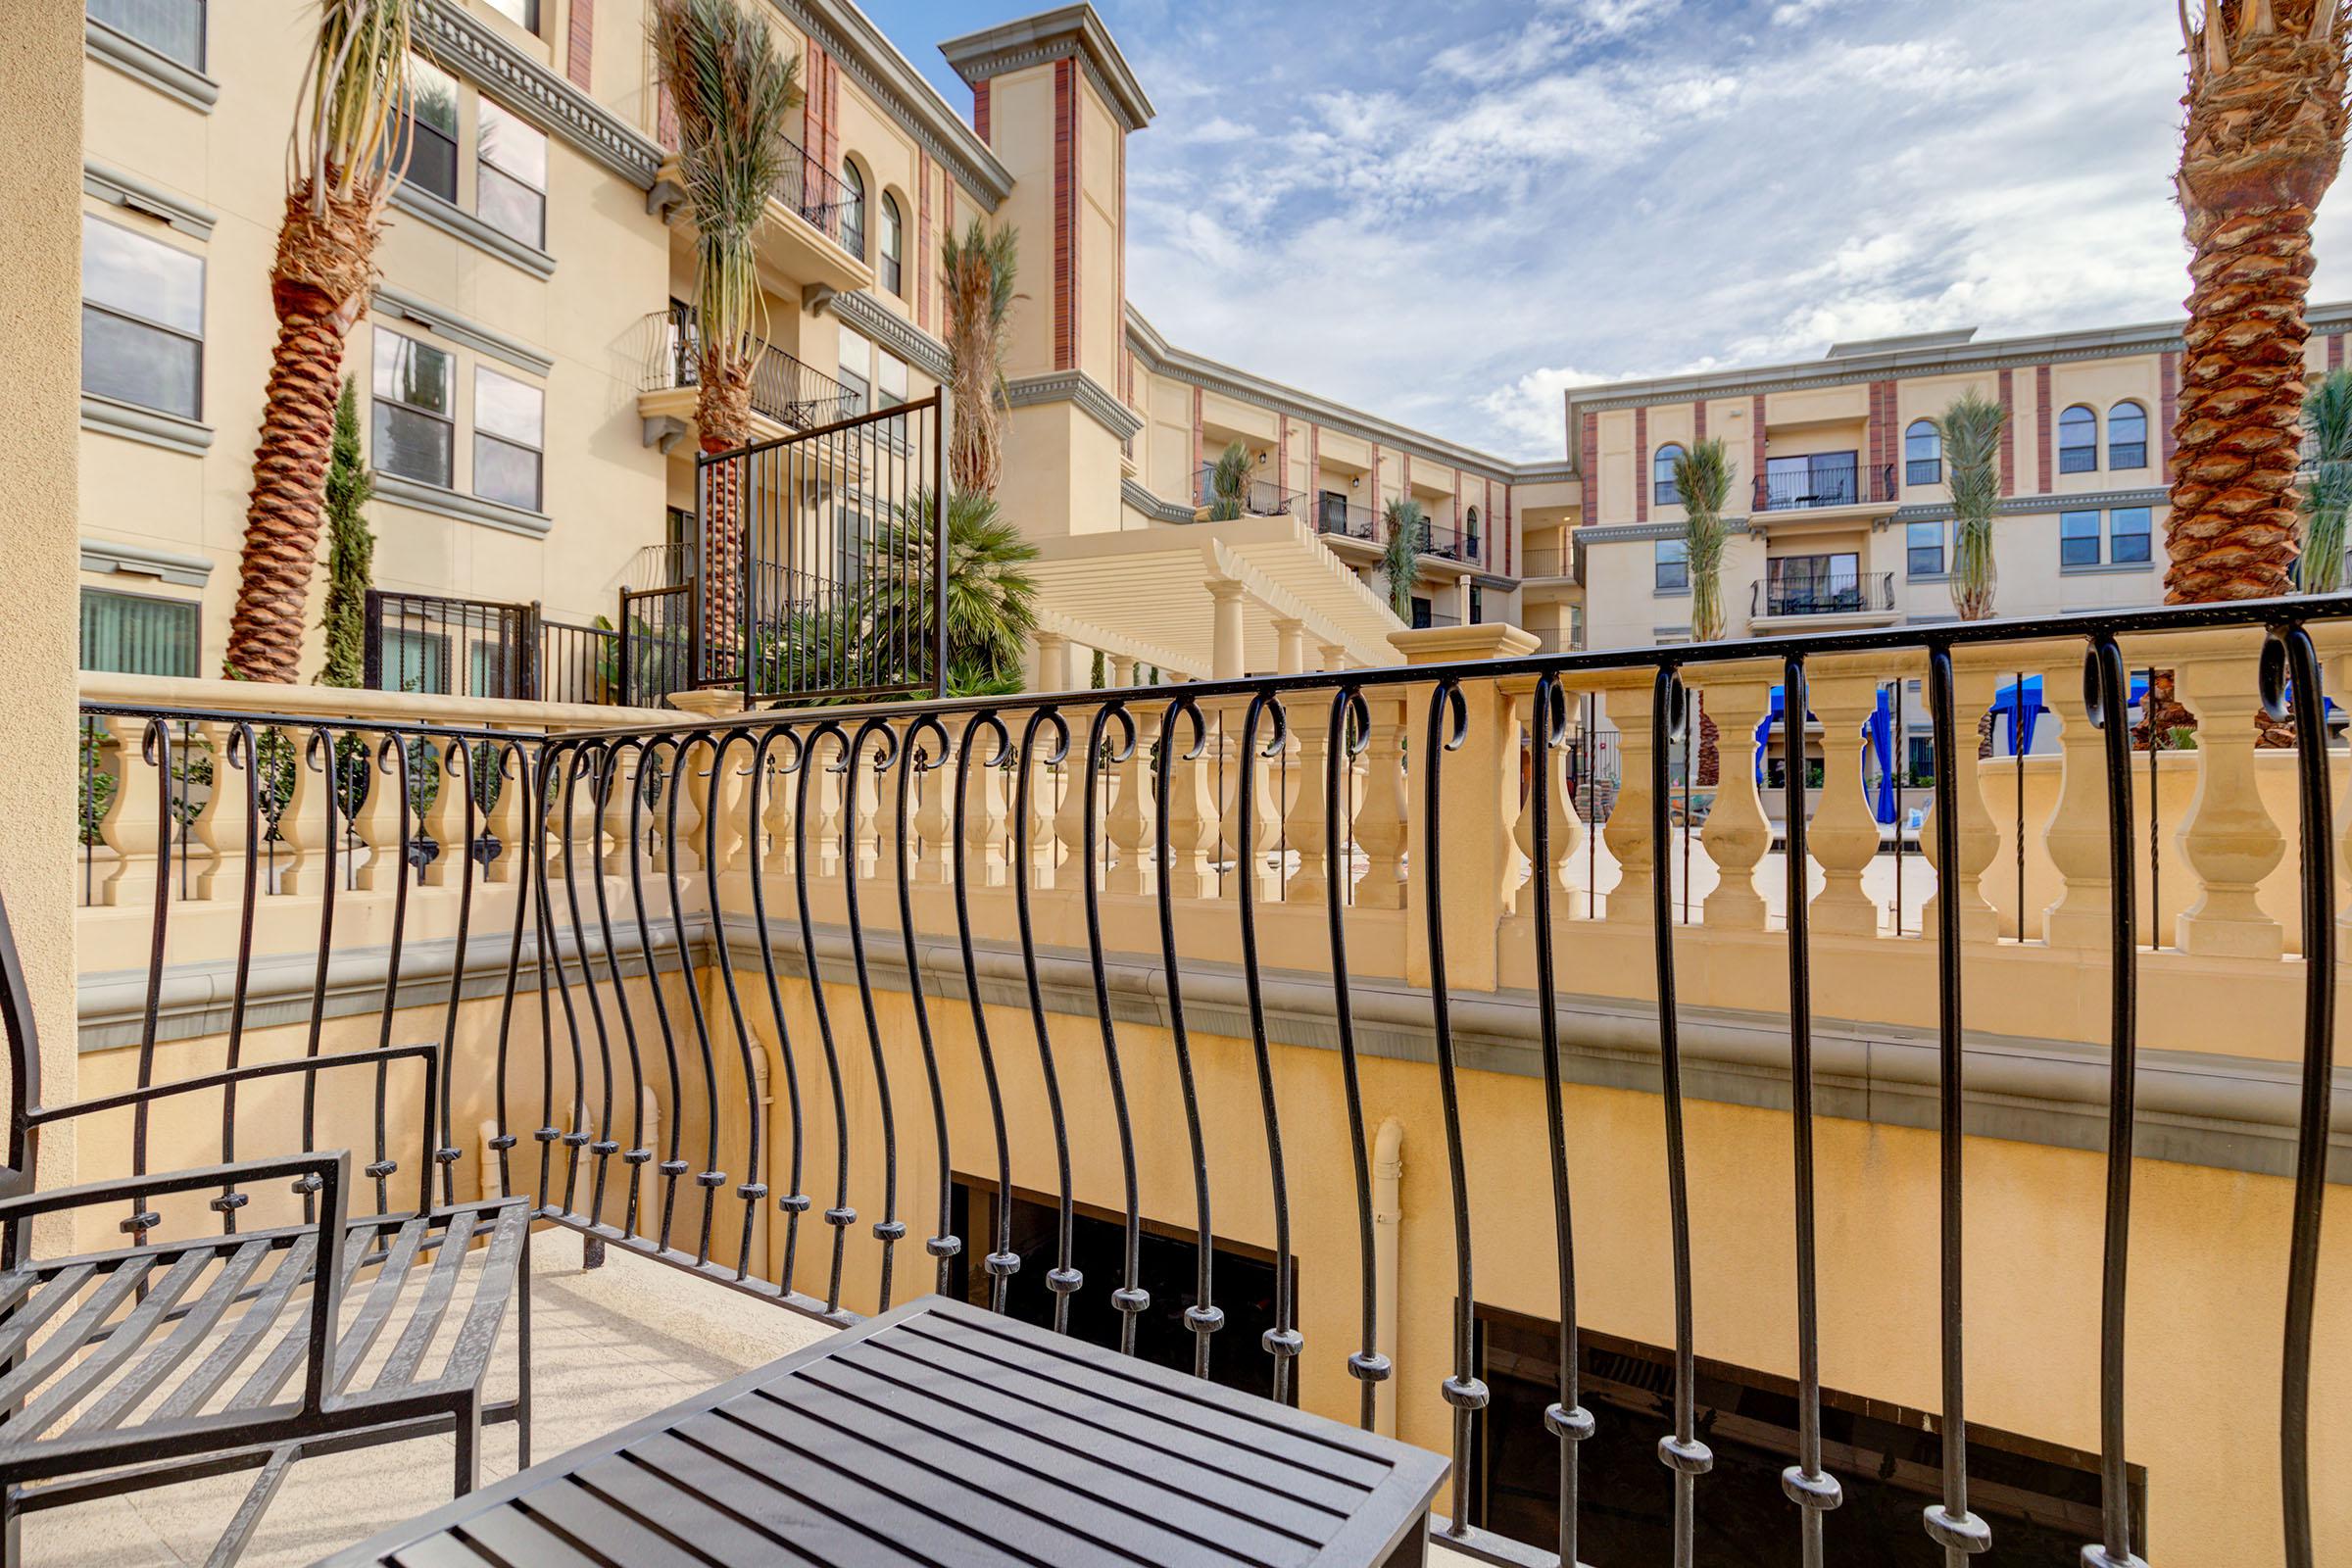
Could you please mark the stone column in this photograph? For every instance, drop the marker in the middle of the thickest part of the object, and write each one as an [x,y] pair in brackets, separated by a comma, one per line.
[1974,679]
[1628,698]
[1049,661]
[218,825]
[1737,833]
[1843,834]
[1290,642]
[380,812]
[2228,839]
[1229,657]
[2075,835]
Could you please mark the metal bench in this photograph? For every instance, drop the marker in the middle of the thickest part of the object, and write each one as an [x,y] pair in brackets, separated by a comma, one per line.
[173,1358]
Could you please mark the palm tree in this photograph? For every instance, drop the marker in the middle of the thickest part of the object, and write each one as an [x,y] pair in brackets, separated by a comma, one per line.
[1401,558]
[2264,135]
[1228,480]
[343,160]
[991,601]
[733,88]
[981,267]
[1702,475]
[1971,433]
[2327,491]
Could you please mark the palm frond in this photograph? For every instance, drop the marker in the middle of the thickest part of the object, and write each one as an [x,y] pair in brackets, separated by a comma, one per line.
[1702,475]
[348,116]
[1400,558]
[2326,498]
[1971,431]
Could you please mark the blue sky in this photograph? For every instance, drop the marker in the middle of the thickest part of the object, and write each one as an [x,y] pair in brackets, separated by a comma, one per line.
[1449,210]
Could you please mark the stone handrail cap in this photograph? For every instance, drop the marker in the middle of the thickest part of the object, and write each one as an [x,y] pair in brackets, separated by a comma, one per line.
[1444,645]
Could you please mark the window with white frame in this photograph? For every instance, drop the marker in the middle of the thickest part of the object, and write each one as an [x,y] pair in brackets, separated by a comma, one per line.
[430,130]
[525,14]
[857,370]
[2077,538]
[2077,441]
[1922,453]
[173,28]
[415,425]
[2127,436]
[1671,566]
[509,176]
[509,422]
[2128,535]
[889,259]
[1664,489]
[1923,550]
[853,209]
[142,320]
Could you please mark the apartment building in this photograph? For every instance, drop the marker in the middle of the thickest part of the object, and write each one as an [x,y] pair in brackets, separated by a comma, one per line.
[1841,512]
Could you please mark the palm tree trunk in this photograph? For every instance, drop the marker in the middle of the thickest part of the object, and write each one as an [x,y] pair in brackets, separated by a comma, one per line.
[723,423]
[319,286]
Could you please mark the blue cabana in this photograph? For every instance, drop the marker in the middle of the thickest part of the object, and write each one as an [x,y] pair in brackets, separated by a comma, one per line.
[1880,728]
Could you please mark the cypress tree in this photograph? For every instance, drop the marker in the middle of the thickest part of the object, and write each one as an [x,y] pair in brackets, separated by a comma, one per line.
[349,551]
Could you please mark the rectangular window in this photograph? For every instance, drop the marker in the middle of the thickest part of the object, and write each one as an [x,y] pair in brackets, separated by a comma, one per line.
[509,423]
[509,176]
[525,14]
[413,429]
[1421,613]
[133,634]
[430,135]
[416,662]
[142,320]
[2077,538]
[857,370]
[2127,530]
[1673,567]
[1924,549]
[173,28]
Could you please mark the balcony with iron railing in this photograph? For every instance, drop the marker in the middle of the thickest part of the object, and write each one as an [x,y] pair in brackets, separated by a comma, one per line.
[1826,484]
[785,390]
[1260,498]
[1311,1027]
[1843,592]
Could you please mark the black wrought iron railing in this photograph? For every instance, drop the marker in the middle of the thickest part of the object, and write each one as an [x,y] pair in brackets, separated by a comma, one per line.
[1826,483]
[1450,543]
[1258,498]
[438,646]
[1334,513]
[1124,1003]
[815,193]
[783,388]
[1822,593]
[1547,560]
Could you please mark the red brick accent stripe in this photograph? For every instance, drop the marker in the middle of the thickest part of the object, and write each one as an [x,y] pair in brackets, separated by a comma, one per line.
[922,241]
[813,100]
[2170,384]
[1699,421]
[1588,460]
[2008,397]
[1065,215]
[1510,543]
[980,108]
[1641,464]
[2336,351]
[581,44]
[2044,419]
[1199,457]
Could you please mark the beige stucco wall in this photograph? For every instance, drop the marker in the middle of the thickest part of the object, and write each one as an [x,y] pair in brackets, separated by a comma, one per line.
[40,184]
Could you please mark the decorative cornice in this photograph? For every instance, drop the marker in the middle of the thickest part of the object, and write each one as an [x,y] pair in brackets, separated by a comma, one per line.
[136,60]
[892,331]
[406,492]
[1092,398]
[1073,31]
[1151,506]
[133,194]
[469,47]
[2031,506]
[144,561]
[1626,533]
[902,93]
[153,426]
[428,316]
[427,208]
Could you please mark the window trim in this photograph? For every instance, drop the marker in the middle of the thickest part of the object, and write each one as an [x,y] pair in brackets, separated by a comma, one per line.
[121,314]
[853,208]
[1913,465]
[538,452]
[1659,562]
[2146,537]
[1664,489]
[2097,538]
[482,160]
[377,401]
[145,64]
[890,246]
[1943,548]
[2138,450]
[193,606]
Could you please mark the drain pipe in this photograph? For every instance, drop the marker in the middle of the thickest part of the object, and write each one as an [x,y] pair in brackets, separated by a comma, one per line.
[1388,1218]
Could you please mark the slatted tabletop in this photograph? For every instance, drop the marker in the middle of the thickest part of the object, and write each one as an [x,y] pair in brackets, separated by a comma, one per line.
[942,1433]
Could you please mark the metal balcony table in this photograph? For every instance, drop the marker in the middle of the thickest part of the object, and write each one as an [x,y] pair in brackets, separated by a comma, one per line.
[940,1433]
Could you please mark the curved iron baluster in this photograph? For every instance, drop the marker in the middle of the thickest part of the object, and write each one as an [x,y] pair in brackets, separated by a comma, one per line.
[1351,733]
[392,757]
[239,749]
[457,773]
[155,747]
[1949,1523]
[793,1202]
[557,754]
[709,1177]
[1130,1299]
[945,1244]
[1001,1261]
[649,774]
[1812,1489]
[502,1141]
[588,758]
[841,1217]
[321,740]
[1449,727]
[1680,1450]
[750,1189]
[1203,1317]
[607,766]
[2316,820]
[1566,1418]
[889,1230]
[1282,1342]
[1064,1278]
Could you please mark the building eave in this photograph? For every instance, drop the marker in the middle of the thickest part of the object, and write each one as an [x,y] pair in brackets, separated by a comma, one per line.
[1065,33]
[891,79]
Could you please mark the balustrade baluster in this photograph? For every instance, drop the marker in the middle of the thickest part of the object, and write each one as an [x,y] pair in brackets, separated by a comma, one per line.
[1130,819]
[1310,739]
[1628,700]
[215,838]
[1843,834]
[377,821]
[2228,840]
[299,853]
[1738,834]
[129,825]
[2076,833]
[505,775]
[1380,817]
[1974,679]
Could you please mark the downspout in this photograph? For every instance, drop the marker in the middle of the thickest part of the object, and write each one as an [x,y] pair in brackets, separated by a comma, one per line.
[1388,1216]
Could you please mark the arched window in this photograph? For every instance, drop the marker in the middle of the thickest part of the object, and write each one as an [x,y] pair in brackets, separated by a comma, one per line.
[1663,491]
[2078,441]
[1922,453]
[2127,436]
[853,209]
[892,273]
[1470,531]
